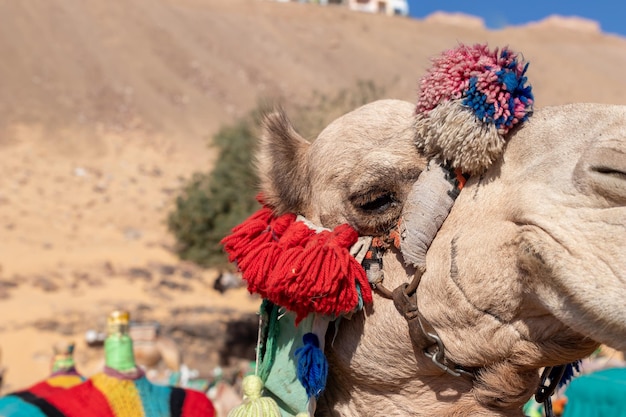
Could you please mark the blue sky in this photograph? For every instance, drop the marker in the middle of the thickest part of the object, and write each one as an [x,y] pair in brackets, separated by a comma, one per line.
[611,14]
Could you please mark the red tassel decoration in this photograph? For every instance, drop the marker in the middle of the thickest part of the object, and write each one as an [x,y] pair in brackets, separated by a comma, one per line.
[257,264]
[319,277]
[250,233]
[288,263]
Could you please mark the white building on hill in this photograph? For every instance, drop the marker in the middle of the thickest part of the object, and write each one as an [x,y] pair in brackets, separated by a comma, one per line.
[389,7]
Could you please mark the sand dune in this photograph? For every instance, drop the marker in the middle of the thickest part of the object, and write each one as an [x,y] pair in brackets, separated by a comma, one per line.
[106,107]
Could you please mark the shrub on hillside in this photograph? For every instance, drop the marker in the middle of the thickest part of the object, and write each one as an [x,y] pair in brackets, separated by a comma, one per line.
[211,204]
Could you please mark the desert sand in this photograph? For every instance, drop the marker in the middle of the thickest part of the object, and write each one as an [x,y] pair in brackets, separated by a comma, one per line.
[105,110]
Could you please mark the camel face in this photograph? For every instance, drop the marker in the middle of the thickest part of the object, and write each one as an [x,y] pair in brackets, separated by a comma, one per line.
[358,171]
[533,252]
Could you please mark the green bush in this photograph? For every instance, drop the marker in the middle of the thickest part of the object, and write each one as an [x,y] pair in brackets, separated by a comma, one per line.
[211,204]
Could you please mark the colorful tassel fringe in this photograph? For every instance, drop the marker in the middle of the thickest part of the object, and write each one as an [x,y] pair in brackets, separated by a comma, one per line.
[288,263]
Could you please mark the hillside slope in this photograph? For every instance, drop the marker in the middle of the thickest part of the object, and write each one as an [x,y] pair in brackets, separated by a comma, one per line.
[183,67]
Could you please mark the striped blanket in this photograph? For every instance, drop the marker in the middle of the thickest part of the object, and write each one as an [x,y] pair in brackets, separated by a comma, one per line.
[104,395]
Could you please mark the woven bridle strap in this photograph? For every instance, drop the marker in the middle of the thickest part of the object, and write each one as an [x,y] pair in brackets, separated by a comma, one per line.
[404,296]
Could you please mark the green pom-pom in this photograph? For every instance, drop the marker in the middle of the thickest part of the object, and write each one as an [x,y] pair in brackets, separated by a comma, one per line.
[254,405]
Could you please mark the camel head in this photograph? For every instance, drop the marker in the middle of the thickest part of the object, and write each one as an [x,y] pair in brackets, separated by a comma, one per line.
[527,270]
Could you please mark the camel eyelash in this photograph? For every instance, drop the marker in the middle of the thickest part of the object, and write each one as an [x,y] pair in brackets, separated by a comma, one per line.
[374,201]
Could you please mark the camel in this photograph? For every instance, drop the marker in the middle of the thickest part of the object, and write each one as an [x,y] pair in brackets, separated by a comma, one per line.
[527,271]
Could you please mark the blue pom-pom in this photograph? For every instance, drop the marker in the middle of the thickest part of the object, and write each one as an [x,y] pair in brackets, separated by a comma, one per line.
[484,102]
[510,80]
[312,366]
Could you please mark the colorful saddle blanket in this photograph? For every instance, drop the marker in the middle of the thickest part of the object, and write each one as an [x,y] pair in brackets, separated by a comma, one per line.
[105,395]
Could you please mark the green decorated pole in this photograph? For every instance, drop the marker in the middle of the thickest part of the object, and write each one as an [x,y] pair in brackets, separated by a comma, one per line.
[118,346]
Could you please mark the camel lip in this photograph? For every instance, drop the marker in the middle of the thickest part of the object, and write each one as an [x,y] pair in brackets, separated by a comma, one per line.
[617,278]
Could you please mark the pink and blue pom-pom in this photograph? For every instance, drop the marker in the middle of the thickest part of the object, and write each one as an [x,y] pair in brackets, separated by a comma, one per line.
[490,83]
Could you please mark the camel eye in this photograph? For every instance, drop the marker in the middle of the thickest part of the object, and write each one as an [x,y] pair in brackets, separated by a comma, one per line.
[375,204]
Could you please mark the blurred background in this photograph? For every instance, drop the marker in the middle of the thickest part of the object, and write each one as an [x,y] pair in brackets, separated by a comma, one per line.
[126,131]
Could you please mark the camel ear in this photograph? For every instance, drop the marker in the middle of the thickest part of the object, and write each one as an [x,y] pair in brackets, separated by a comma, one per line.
[282,165]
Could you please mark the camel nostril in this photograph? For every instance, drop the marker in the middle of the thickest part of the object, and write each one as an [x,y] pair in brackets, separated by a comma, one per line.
[615,172]
[608,182]
[601,171]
